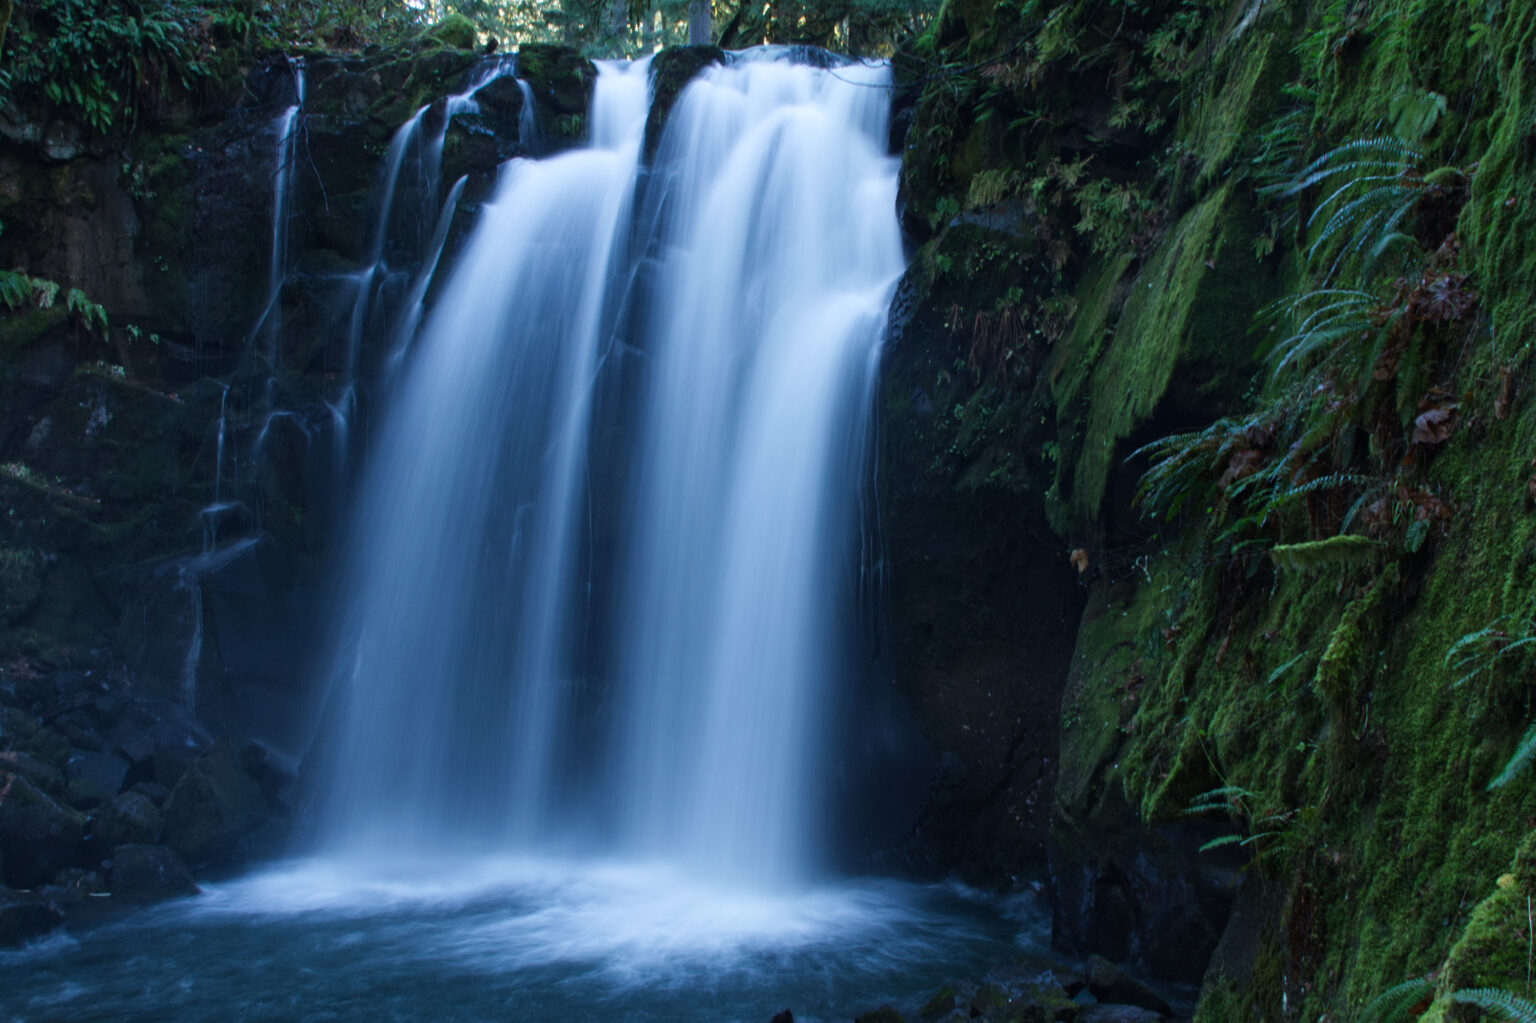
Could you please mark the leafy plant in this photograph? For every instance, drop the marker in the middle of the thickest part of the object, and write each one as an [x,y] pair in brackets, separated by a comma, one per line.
[1240,803]
[1318,321]
[1506,1004]
[100,58]
[1478,651]
[1397,1003]
[1369,187]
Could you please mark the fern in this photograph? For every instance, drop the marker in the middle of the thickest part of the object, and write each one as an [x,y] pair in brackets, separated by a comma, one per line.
[90,313]
[1371,186]
[1479,651]
[1524,754]
[1505,1004]
[1225,799]
[1320,318]
[1394,1004]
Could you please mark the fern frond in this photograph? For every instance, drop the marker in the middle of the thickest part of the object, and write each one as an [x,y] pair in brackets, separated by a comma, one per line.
[1507,1004]
[1373,152]
[1225,799]
[1524,753]
[1393,1004]
[1217,843]
[1338,312]
[1275,675]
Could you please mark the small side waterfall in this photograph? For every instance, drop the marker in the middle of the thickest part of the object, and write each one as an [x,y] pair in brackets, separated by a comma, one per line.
[486,693]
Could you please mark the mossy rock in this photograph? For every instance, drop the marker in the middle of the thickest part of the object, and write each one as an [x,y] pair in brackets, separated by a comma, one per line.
[21,571]
[456,31]
[671,70]
[560,77]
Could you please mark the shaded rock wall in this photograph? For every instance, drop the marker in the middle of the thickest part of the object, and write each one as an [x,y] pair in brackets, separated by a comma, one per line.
[1295,688]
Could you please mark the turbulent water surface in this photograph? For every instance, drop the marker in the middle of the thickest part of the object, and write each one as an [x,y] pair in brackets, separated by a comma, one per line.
[512,940]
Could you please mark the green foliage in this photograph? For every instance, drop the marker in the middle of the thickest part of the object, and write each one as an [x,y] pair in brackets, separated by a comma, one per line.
[1480,650]
[1505,1004]
[1395,1003]
[1518,761]
[19,291]
[90,313]
[1368,187]
[99,59]
[1249,810]
[1317,321]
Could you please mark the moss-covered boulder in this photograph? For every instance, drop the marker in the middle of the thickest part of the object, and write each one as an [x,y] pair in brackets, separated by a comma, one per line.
[562,81]
[671,70]
[215,807]
[38,836]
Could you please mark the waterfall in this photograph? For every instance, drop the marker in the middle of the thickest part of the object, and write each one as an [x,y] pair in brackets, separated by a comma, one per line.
[510,673]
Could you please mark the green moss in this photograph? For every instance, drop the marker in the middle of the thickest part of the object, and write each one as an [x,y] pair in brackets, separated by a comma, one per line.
[456,31]
[1182,336]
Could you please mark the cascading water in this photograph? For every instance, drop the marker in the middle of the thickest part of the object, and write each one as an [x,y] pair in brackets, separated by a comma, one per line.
[467,689]
[456,657]
[778,249]
[597,611]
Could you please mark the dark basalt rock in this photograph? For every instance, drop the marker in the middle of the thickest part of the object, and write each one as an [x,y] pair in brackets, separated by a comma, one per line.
[1117,1014]
[130,819]
[671,70]
[23,918]
[45,776]
[94,778]
[215,807]
[1111,984]
[562,81]
[38,837]
[148,873]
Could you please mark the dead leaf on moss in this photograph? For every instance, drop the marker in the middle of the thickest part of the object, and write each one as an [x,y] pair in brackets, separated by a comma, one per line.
[1434,426]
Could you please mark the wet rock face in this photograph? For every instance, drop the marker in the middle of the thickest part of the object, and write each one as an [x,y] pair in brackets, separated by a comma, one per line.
[23,918]
[562,81]
[130,819]
[216,806]
[148,873]
[671,70]
[983,601]
[93,778]
[38,836]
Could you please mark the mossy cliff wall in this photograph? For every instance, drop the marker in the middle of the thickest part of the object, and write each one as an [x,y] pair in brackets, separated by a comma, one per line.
[1262,653]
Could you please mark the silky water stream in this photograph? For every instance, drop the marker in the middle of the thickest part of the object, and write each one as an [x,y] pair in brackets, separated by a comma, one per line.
[600,607]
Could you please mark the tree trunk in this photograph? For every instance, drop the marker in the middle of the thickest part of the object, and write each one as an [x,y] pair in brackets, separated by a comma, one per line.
[698,22]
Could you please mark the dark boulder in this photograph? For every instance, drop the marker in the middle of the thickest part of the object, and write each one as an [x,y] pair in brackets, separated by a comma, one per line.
[93,778]
[23,918]
[38,837]
[24,733]
[215,807]
[671,70]
[130,819]
[147,873]
[1110,984]
[156,792]
[44,775]
[1104,1013]
[884,1014]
